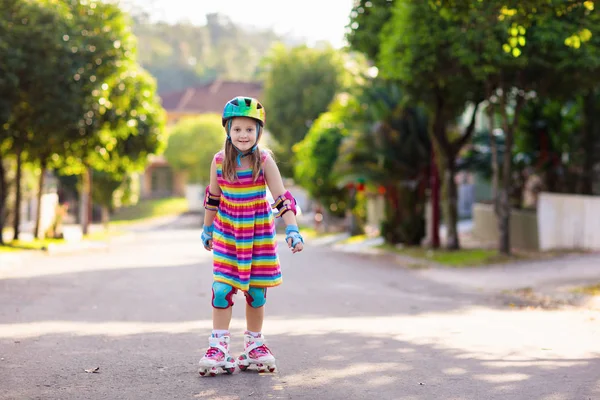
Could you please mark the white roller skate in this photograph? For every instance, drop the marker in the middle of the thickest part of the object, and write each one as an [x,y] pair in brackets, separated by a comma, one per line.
[257,353]
[217,357]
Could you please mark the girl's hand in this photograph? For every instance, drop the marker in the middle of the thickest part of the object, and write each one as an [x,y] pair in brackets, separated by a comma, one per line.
[297,248]
[293,238]
[207,241]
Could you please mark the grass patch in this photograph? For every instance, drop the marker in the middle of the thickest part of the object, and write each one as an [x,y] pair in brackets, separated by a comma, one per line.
[308,232]
[43,244]
[457,258]
[591,290]
[354,239]
[103,235]
[7,248]
[151,208]
[37,244]
[475,257]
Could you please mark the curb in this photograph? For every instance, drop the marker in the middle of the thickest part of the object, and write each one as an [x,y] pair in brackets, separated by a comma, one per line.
[75,247]
[14,258]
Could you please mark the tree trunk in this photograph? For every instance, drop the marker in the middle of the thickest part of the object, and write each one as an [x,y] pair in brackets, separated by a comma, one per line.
[589,134]
[504,195]
[17,210]
[439,146]
[105,217]
[447,156]
[494,151]
[90,206]
[434,182]
[390,223]
[451,204]
[38,216]
[353,223]
[84,207]
[3,196]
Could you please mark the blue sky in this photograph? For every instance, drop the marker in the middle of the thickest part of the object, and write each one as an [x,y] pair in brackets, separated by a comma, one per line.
[313,20]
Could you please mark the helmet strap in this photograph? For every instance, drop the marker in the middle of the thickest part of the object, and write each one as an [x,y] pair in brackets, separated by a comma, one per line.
[240,153]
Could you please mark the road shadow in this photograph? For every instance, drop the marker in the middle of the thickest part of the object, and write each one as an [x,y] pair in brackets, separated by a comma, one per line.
[342,326]
[326,366]
[179,290]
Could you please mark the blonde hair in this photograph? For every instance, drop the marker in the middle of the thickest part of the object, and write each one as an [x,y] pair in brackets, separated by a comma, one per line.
[230,155]
[230,162]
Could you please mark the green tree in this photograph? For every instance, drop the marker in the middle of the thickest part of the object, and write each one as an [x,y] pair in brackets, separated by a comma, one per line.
[134,124]
[300,83]
[43,84]
[556,54]
[77,60]
[182,55]
[366,20]
[103,48]
[36,57]
[11,63]
[317,154]
[388,147]
[192,144]
[422,48]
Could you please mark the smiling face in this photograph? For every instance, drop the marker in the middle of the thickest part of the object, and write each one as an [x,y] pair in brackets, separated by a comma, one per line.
[243,133]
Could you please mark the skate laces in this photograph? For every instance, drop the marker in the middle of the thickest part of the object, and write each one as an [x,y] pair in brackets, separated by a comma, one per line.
[260,351]
[215,352]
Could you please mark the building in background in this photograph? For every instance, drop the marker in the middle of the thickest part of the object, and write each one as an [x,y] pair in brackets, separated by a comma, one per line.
[159,179]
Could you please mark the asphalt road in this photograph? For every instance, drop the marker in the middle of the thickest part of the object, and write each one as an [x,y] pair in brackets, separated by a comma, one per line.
[342,326]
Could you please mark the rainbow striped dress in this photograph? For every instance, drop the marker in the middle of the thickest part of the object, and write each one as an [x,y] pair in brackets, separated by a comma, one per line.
[244,246]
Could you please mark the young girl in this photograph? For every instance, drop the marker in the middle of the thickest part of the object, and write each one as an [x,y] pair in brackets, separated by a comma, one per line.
[239,229]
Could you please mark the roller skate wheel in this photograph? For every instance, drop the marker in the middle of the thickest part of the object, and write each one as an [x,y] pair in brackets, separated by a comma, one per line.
[265,368]
[202,372]
[243,362]
[230,370]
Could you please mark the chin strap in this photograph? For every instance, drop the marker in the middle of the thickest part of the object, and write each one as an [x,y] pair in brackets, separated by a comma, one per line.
[240,153]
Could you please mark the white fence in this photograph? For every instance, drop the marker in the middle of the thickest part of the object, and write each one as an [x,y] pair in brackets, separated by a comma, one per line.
[568,221]
[29,213]
[195,197]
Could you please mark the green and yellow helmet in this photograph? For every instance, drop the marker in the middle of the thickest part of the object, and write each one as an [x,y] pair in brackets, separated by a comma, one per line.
[241,106]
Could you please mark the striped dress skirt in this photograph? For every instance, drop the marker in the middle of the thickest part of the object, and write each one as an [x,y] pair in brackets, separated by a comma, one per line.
[244,246]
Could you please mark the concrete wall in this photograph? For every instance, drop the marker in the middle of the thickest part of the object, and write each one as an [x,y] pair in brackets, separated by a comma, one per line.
[375,210]
[569,221]
[29,213]
[195,197]
[523,227]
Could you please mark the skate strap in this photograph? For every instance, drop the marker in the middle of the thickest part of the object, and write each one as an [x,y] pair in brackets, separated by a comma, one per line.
[216,343]
[257,343]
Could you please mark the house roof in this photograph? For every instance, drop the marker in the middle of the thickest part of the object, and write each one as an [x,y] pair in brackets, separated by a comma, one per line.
[210,97]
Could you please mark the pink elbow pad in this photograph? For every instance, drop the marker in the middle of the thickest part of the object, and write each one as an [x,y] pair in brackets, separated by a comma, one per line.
[282,208]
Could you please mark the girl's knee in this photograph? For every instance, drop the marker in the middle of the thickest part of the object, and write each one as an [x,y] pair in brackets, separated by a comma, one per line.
[256,297]
[222,295]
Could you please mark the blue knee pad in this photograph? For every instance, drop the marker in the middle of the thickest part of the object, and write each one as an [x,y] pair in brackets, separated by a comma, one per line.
[256,297]
[222,296]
